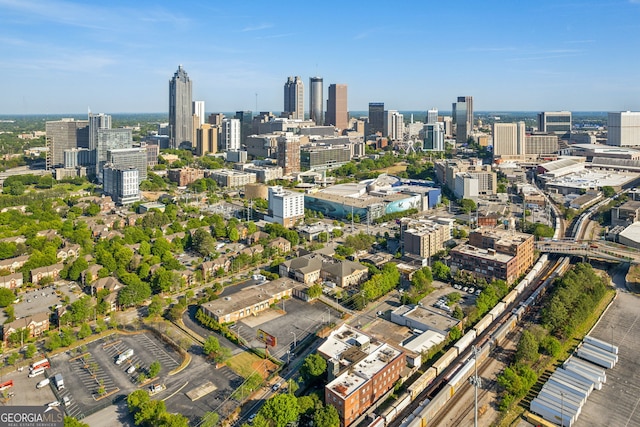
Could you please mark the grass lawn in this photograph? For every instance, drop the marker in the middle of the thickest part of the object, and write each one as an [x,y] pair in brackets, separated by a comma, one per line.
[398,167]
[246,363]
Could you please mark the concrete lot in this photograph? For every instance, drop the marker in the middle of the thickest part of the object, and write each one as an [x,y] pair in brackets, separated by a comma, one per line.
[41,300]
[24,389]
[617,403]
[299,318]
[82,387]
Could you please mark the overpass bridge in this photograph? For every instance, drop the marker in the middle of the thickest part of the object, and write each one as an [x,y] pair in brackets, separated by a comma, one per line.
[596,249]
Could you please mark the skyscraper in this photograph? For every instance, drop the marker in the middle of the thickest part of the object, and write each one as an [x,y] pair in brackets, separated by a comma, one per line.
[557,122]
[130,158]
[376,118]
[393,125]
[294,98]
[231,135]
[316,100]
[509,139]
[245,118]
[463,118]
[289,153]
[122,184]
[180,109]
[432,116]
[337,112]
[623,129]
[65,134]
[110,139]
[433,137]
[198,110]
[97,121]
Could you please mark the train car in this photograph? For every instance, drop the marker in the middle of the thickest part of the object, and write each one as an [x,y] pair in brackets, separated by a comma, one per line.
[501,333]
[445,360]
[483,324]
[463,343]
[510,297]
[432,408]
[519,311]
[452,372]
[391,413]
[422,382]
[461,377]
[497,310]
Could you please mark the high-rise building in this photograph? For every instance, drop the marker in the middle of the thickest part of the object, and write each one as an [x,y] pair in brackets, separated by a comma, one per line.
[433,137]
[432,116]
[509,139]
[198,110]
[110,139]
[130,158]
[558,122]
[180,109]
[463,118]
[294,98]
[376,118]
[122,184]
[537,143]
[289,153]
[393,125]
[97,121]
[65,134]
[316,100]
[285,207]
[337,112]
[246,118]
[207,139]
[624,129]
[231,135]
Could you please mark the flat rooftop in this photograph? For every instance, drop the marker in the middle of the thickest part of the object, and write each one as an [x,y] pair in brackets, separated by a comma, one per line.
[249,296]
[341,340]
[364,370]
[482,253]
[590,178]
[423,342]
[431,318]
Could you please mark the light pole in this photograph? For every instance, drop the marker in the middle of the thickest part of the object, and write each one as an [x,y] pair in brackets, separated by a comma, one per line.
[612,329]
[329,322]
[294,339]
[475,382]
[561,409]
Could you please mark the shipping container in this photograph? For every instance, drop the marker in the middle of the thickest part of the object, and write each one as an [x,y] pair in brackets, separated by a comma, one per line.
[568,388]
[497,310]
[431,410]
[462,376]
[483,324]
[551,414]
[595,358]
[463,343]
[601,344]
[553,390]
[445,360]
[559,402]
[511,297]
[587,376]
[580,365]
[422,382]
[604,353]
[579,380]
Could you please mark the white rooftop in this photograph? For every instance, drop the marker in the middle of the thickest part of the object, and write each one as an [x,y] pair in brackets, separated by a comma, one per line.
[632,232]
[590,178]
[364,370]
[424,341]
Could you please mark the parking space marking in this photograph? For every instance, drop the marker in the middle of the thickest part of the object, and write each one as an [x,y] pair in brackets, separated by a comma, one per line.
[158,352]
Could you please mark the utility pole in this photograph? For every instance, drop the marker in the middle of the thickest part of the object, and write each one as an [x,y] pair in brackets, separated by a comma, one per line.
[476,383]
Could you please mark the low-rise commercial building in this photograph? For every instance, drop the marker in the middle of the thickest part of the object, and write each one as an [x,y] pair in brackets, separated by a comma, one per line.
[519,245]
[185,176]
[485,263]
[231,178]
[425,237]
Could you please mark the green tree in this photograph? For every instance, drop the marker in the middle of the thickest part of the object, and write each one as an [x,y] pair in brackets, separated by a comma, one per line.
[30,351]
[313,367]
[85,331]
[234,234]
[608,191]
[314,291]
[468,205]
[72,422]
[440,270]
[209,419]
[154,369]
[6,297]
[281,409]
[203,243]
[156,307]
[527,348]
[326,416]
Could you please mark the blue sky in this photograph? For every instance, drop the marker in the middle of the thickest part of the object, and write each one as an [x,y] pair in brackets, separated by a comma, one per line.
[118,56]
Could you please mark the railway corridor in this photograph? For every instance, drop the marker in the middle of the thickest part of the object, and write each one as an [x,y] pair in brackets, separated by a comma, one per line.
[460,410]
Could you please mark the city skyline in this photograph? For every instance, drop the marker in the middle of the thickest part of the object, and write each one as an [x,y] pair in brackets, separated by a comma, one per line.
[68,56]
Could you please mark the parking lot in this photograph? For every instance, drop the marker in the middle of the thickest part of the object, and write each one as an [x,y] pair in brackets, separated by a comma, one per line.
[90,373]
[41,300]
[298,320]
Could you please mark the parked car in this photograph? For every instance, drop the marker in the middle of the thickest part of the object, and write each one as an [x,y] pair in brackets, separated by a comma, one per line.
[66,401]
[54,403]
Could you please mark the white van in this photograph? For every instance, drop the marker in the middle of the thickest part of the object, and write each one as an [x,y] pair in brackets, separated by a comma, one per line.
[36,372]
[45,382]
[131,369]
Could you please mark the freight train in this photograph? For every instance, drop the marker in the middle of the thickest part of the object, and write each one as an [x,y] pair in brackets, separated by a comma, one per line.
[448,385]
